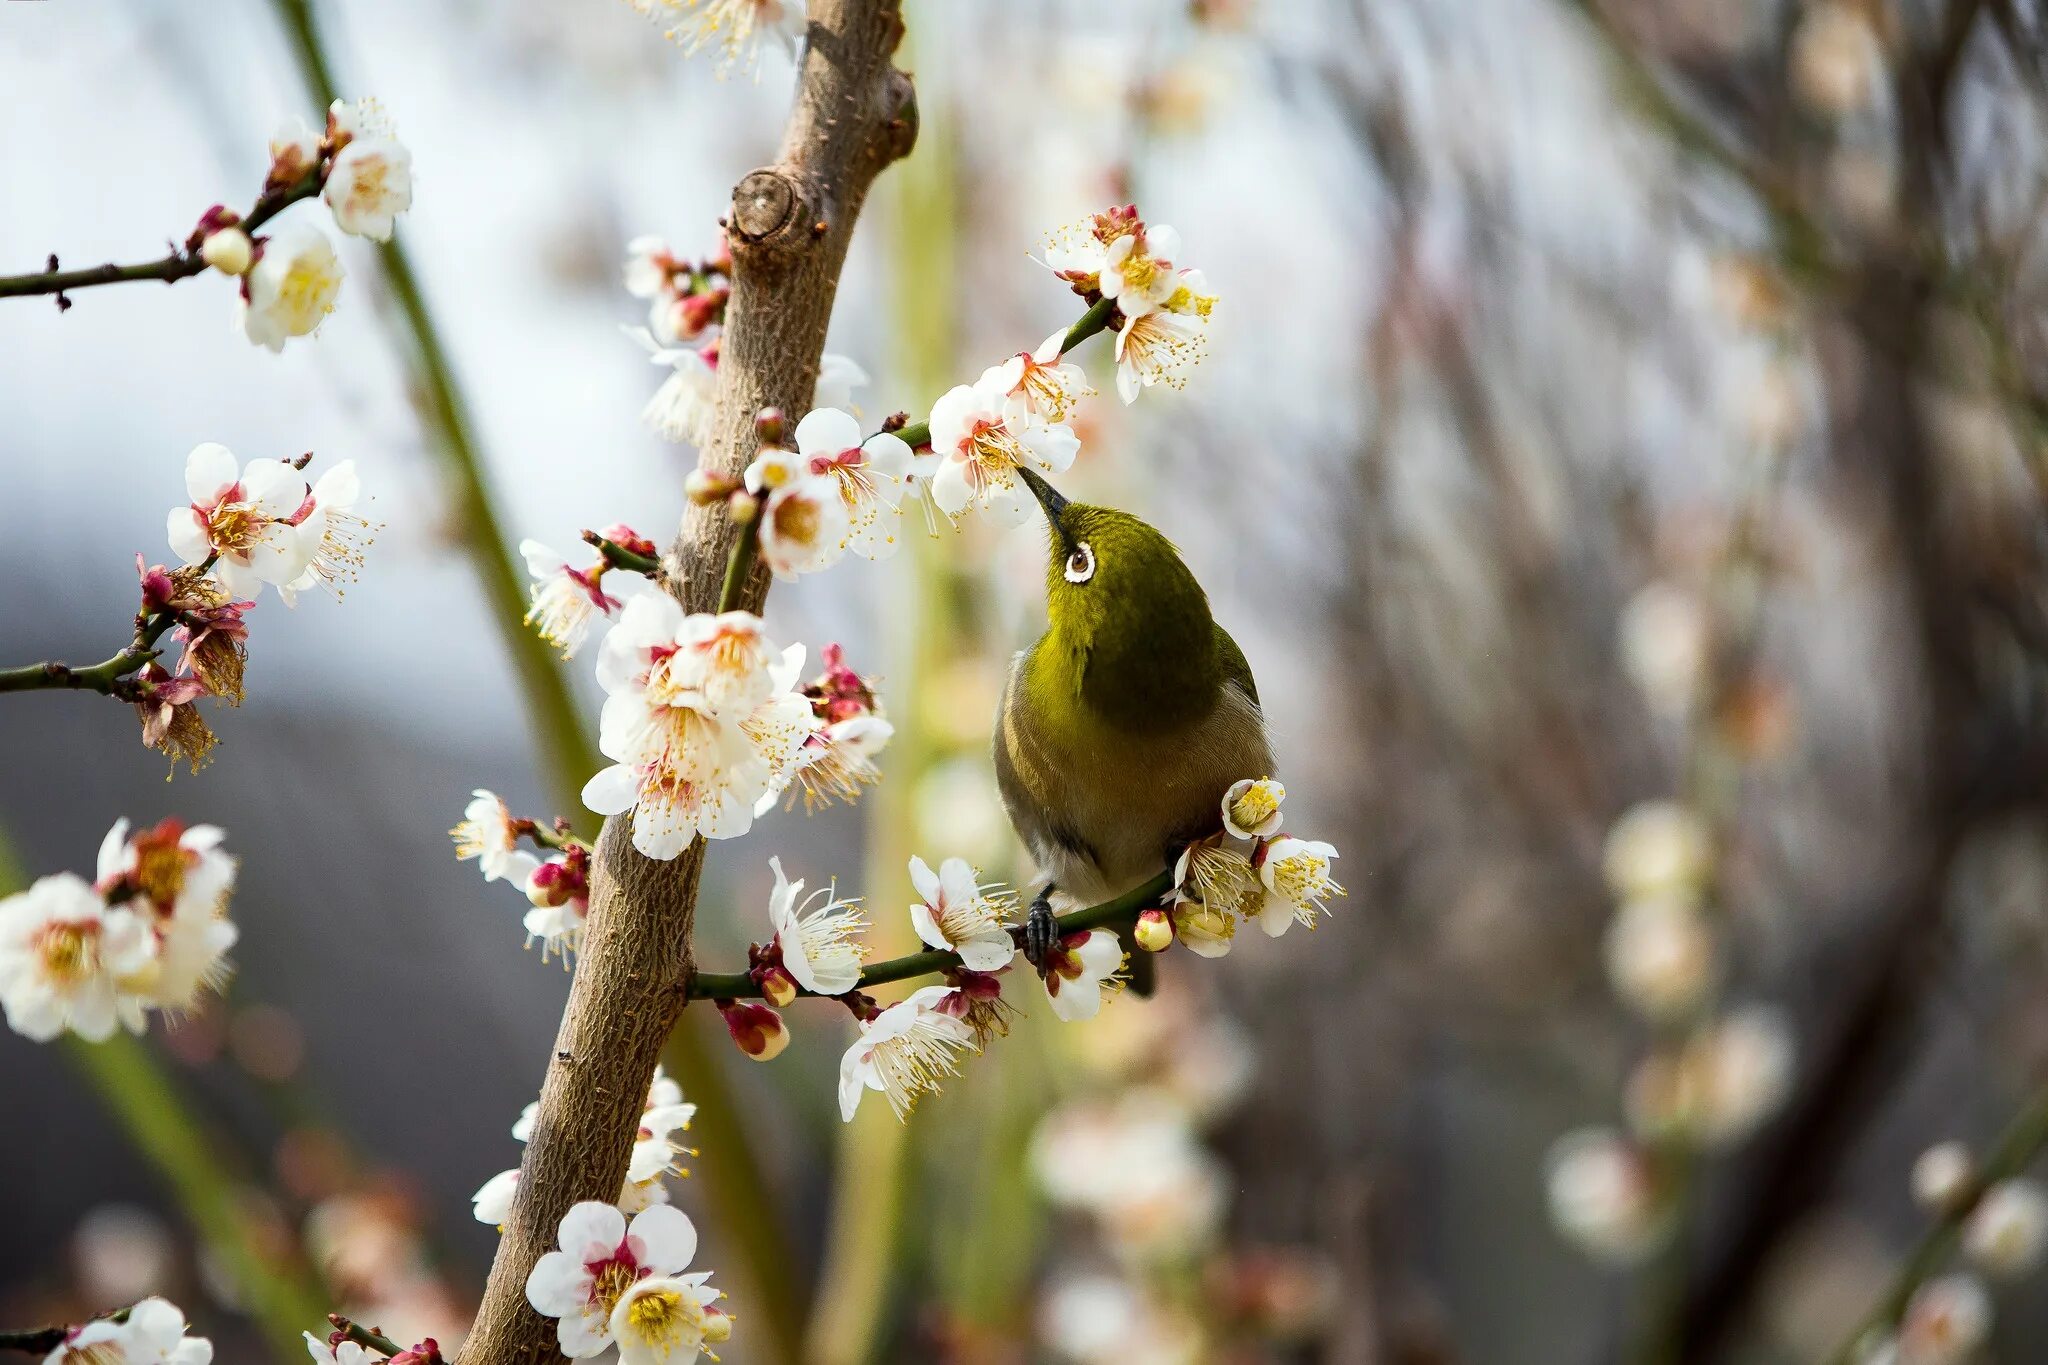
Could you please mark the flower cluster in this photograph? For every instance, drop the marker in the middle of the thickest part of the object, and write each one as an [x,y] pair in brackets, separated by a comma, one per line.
[837,491]
[657,1154]
[703,720]
[151,1332]
[291,276]
[1712,1079]
[615,1283]
[685,326]
[567,599]
[1010,419]
[149,931]
[1163,307]
[557,886]
[738,28]
[1280,882]
[242,527]
[838,758]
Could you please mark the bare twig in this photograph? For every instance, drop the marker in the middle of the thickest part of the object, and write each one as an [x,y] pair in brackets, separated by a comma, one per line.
[789,229]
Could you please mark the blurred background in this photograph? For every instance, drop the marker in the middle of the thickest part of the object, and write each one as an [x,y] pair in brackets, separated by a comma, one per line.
[1620,454]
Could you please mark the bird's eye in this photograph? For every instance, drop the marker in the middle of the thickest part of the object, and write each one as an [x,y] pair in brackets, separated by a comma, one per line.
[1081,564]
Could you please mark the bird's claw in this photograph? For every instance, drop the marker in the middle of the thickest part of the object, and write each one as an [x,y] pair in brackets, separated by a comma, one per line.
[1041,932]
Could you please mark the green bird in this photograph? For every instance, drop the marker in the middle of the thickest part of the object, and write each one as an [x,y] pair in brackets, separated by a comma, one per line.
[1125,724]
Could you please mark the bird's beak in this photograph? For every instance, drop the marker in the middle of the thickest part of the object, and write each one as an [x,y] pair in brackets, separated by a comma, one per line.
[1048,497]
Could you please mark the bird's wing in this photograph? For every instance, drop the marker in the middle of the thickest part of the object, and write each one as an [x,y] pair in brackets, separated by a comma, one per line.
[1236,668]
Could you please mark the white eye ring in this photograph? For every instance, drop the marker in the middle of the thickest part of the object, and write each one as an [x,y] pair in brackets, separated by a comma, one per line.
[1081,564]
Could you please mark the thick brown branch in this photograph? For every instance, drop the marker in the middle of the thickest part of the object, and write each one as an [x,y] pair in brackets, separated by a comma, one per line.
[789,229]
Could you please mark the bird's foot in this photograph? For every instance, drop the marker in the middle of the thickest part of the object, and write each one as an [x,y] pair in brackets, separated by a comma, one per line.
[1041,931]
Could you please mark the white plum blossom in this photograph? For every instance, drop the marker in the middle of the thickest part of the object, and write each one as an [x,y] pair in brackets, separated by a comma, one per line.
[1207,930]
[487,833]
[839,760]
[1660,955]
[738,28]
[1043,381]
[1251,808]
[1137,270]
[152,1334]
[687,766]
[1657,848]
[291,288]
[338,1353]
[874,476]
[982,436]
[668,1320]
[564,598]
[245,519]
[2008,1230]
[955,911]
[63,951]
[1296,874]
[179,879]
[904,1052]
[1941,1176]
[333,537]
[651,268]
[730,658]
[601,1257]
[682,408]
[1081,972]
[819,943]
[1157,347]
[369,181]
[804,522]
[1604,1197]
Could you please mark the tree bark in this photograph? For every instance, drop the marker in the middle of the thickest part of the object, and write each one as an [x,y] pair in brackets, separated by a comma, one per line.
[788,229]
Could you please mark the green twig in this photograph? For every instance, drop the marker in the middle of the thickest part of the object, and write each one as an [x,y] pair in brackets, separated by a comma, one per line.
[177,265]
[281,1293]
[364,1336]
[1111,914]
[570,757]
[619,557]
[35,1341]
[739,565]
[2017,1147]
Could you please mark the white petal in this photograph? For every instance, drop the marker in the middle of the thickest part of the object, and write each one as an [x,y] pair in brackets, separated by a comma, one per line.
[612,790]
[210,470]
[827,431]
[591,1226]
[187,533]
[664,1238]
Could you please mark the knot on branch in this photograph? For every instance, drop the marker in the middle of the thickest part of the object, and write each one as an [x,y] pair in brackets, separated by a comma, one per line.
[763,204]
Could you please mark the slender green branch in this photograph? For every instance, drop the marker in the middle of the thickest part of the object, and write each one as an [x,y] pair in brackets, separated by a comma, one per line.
[178,265]
[281,1293]
[739,565]
[364,1336]
[1111,914]
[35,1341]
[619,557]
[2017,1147]
[570,756]
[1096,319]
[106,676]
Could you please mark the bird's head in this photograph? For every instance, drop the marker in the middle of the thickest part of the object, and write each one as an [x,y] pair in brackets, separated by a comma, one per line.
[1118,596]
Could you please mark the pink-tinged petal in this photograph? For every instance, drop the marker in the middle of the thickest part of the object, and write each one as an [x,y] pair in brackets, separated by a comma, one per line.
[209,472]
[591,1230]
[274,486]
[927,926]
[187,533]
[663,1237]
[827,431]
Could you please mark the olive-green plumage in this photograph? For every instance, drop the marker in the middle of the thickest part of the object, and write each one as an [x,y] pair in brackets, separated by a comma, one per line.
[1123,726]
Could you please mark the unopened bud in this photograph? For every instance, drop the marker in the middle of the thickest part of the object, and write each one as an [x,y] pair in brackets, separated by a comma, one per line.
[1941,1177]
[717,1325]
[546,886]
[742,507]
[229,251]
[1155,931]
[771,426]
[757,1029]
[777,986]
[705,487]
[626,538]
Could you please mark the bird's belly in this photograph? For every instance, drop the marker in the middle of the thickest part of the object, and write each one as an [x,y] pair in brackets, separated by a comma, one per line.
[1099,813]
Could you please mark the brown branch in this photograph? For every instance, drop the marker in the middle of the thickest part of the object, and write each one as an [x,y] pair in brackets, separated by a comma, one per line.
[789,229]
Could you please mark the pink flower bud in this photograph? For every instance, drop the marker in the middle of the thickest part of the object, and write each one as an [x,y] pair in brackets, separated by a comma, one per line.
[778,987]
[626,538]
[757,1029]
[1154,931]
